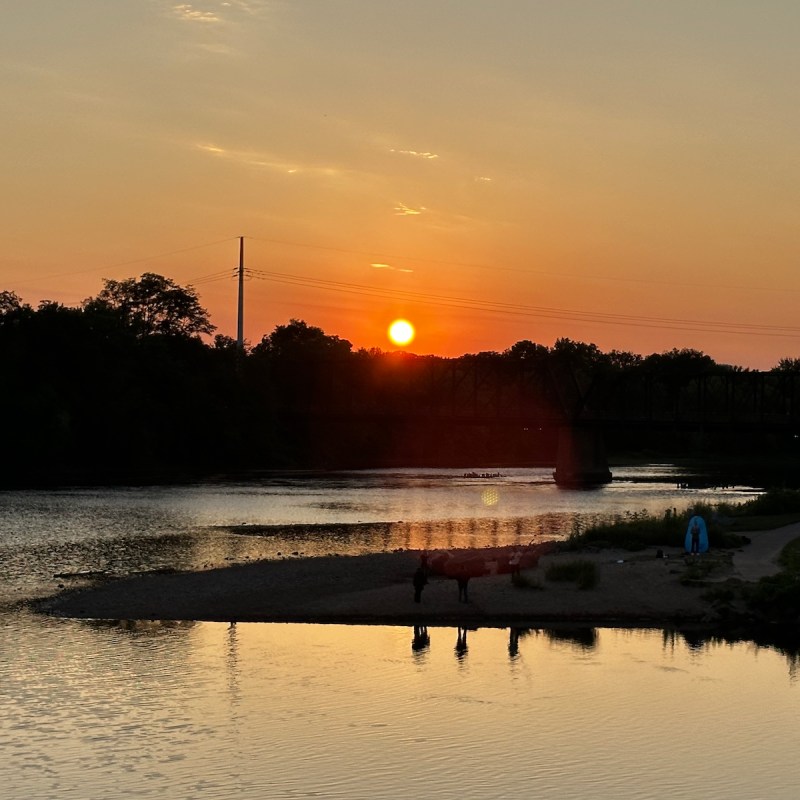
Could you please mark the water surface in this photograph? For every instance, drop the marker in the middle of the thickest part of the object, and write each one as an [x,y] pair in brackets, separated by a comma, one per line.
[47,538]
[286,711]
[185,710]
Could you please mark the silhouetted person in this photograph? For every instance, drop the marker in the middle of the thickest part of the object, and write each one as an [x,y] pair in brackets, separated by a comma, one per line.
[695,538]
[420,580]
[463,583]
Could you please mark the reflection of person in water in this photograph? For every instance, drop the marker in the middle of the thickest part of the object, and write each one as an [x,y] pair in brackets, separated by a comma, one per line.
[420,579]
[513,641]
[421,638]
[461,642]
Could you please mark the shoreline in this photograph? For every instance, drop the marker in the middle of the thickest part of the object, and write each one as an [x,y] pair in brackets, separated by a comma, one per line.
[633,590]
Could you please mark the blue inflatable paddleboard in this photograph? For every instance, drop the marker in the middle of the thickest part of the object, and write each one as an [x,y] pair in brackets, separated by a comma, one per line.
[701,524]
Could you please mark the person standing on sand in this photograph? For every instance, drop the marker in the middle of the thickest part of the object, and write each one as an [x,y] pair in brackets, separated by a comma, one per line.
[695,537]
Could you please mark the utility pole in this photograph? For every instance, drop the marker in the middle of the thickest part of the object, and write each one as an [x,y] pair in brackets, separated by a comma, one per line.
[240,329]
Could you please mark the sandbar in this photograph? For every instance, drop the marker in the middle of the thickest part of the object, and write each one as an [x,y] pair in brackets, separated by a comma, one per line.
[634,589]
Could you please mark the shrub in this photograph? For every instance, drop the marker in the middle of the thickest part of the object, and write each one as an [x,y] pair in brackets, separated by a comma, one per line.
[633,531]
[523,581]
[697,571]
[583,572]
[790,557]
[640,530]
[776,598]
[774,501]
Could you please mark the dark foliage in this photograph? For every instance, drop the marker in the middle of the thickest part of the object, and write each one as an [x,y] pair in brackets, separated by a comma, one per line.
[581,571]
[128,387]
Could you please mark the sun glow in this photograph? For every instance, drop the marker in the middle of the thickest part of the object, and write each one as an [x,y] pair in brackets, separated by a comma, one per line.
[401,332]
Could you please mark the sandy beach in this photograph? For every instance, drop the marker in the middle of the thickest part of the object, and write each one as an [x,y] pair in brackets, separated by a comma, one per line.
[632,589]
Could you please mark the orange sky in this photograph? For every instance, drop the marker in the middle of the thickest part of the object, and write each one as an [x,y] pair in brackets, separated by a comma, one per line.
[617,172]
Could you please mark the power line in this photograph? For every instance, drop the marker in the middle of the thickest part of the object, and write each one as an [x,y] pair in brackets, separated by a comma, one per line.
[112,267]
[214,276]
[516,309]
[493,307]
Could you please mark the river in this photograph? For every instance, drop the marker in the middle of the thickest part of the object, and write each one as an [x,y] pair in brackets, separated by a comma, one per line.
[210,710]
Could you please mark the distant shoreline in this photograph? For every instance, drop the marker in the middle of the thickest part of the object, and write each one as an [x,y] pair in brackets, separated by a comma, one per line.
[759,474]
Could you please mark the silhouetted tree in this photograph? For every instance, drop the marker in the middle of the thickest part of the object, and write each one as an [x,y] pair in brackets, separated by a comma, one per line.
[153,304]
[528,351]
[787,365]
[11,304]
[298,340]
[222,342]
[679,365]
[580,355]
[623,360]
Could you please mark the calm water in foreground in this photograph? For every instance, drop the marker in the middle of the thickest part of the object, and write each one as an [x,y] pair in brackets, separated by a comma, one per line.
[102,710]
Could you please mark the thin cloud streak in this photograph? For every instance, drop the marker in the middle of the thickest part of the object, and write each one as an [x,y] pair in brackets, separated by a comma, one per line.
[390,267]
[402,210]
[266,161]
[415,154]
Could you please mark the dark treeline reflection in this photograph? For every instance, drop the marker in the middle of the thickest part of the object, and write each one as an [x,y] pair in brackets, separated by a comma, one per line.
[124,388]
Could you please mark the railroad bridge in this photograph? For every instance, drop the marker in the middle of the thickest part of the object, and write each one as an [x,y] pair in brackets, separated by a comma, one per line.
[581,405]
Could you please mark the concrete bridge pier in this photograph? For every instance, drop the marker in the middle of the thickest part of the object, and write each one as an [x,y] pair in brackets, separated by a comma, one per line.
[581,459]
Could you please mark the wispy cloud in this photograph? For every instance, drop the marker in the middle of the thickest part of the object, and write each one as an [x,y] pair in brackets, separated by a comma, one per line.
[217,10]
[390,267]
[188,12]
[266,161]
[415,154]
[402,210]
[252,7]
[482,179]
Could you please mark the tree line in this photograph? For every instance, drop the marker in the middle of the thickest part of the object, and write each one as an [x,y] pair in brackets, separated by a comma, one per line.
[132,384]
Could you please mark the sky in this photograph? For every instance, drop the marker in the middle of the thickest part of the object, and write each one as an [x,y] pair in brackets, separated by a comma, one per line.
[616,172]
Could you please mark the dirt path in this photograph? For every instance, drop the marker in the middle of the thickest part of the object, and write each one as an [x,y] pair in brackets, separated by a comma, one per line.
[759,558]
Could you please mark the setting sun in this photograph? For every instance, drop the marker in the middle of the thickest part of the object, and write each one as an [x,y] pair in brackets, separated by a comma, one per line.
[401,332]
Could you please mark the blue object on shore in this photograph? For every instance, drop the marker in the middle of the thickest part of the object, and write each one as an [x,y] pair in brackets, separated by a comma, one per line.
[701,524]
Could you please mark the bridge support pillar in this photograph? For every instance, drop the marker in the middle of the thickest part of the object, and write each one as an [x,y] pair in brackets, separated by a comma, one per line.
[581,459]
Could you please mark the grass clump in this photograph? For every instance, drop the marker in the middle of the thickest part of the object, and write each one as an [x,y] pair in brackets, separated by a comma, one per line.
[771,503]
[641,530]
[581,571]
[633,531]
[776,598]
[523,581]
[697,571]
[789,558]
[773,509]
